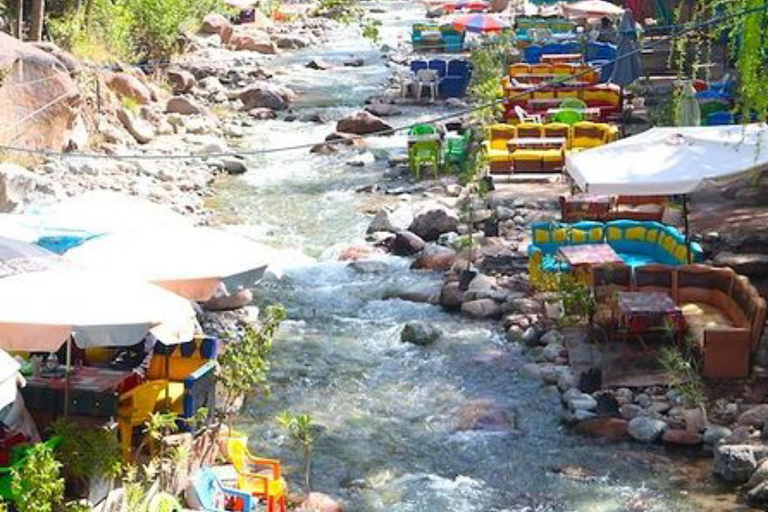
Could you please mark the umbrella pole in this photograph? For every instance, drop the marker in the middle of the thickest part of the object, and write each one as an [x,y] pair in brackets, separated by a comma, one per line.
[687,230]
[66,376]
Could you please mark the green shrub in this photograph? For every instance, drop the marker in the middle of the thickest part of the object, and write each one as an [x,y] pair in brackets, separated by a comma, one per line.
[132,30]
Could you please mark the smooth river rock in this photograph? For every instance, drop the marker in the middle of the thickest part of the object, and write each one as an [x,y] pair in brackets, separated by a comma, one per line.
[646,429]
[419,333]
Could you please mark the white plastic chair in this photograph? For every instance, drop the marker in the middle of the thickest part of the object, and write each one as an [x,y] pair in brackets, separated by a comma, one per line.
[427,78]
[405,79]
[525,117]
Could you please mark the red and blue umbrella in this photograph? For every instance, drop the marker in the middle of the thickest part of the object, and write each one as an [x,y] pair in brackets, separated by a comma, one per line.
[467,5]
[479,23]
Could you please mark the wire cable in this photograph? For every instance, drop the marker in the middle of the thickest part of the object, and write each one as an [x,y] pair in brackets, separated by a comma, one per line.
[390,131]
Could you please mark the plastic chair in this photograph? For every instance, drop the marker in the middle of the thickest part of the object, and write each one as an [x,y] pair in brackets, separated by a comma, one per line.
[211,495]
[525,117]
[419,64]
[720,118]
[532,54]
[456,150]
[438,65]
[265,484]
[568,116]
[573,103]
[134,409]
[424,152]
[422,129]
[428,78]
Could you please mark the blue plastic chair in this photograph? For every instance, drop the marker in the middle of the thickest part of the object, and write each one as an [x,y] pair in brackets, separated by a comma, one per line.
[438,65]
[532,54]
[720,118]
[419,64]
[209,492]
[458,68]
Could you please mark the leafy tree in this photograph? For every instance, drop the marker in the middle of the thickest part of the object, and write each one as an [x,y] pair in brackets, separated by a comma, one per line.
[744,24]
[244,365]
[299,428]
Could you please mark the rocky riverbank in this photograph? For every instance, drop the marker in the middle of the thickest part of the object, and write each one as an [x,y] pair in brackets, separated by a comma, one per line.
[488,279]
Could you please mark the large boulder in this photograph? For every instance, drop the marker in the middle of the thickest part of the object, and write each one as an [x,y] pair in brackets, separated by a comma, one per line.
[406,243]
[755,417]
[435,257]
[130,87]
[266,95]
[227,302]
[181,80]
[735,463]
[253,41]
[183,105]
[433,221]
[391,220]
[419,333]
[362,123]
[47,89]
[481,308]
[16,185]
[291,42]
[751,264]
[141,130]
[215,23]
[451,295]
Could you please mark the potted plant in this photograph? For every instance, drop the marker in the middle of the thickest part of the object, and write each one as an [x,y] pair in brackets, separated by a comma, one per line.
[90,457]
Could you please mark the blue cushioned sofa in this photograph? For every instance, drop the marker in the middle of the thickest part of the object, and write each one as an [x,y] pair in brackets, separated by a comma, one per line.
[637,242]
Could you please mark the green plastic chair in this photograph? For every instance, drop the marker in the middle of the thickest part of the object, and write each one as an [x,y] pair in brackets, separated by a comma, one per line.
[569,117]
[573,104]
[424,152]
[422,129]
[711,107]
[455,152]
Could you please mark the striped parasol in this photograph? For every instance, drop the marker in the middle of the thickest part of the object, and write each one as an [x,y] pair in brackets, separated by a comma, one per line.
[479,23]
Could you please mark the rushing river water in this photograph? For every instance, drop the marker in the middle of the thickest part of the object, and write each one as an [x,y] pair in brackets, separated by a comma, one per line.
[388,410]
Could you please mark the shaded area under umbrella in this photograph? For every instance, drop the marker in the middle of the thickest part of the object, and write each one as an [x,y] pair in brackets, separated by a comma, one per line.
[626,68]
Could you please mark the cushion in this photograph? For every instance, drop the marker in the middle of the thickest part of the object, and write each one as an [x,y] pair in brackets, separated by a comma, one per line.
[527,155]
[499,155]
[552,155]
[701,316]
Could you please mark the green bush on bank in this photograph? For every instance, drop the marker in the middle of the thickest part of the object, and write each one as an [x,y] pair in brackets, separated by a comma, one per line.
[129,30]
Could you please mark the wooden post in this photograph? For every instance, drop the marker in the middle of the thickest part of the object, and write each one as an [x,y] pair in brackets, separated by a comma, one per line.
[38,15]
[687,231]
[18,22]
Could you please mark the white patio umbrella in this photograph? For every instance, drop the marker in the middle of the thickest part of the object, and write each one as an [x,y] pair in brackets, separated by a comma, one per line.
[8,387]
[46,301]
[68,223]
[591,9]
[192,262]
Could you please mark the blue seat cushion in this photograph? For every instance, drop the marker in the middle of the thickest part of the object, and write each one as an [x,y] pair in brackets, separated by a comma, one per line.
[634,259]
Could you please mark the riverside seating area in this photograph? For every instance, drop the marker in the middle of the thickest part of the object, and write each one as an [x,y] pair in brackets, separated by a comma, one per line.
[113,366]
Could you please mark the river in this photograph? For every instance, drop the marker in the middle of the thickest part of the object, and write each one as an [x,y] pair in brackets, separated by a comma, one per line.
[387,411]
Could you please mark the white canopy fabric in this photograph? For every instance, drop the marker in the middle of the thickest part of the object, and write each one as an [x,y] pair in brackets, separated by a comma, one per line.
[104,212]
[40,310]
[591,9]
[191,262]
[670,161]
[8,387]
